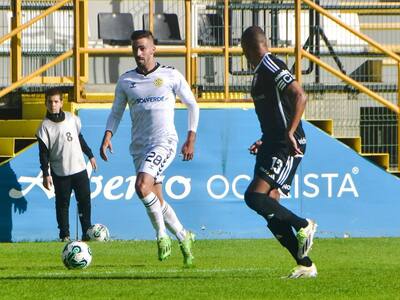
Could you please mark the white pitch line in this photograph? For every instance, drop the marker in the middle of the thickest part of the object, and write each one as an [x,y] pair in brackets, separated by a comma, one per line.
[139,272]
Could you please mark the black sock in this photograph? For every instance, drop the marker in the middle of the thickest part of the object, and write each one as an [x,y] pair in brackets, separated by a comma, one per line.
[284,234]
[269,208]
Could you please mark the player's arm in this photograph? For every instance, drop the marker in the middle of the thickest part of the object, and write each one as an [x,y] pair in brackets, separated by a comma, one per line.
[88,152]
[113,121]
[182,89]
[286,83]
[297,95]
[44,155]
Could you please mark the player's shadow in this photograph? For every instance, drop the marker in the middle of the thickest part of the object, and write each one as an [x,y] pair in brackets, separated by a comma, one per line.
[8,205]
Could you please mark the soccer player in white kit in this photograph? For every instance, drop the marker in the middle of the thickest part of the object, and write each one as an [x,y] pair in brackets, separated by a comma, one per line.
[150,91]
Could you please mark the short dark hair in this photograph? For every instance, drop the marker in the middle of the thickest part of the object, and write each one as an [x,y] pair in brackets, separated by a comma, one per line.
[253,36]
[138,34]
[52,92]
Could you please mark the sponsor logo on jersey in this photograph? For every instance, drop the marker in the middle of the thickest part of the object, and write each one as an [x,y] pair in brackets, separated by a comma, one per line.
[158,82]
[269,173]
[302,141]
[150,99]
[132,85]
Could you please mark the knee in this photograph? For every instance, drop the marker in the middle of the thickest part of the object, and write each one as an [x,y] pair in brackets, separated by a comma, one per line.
[142,188]
[250,200]
[274,194]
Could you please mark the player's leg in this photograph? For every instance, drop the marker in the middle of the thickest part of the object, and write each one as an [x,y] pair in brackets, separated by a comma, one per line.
[63,189]
[149,166]
[171,220]
[144,184]
[283,232]
[305,235]
[185,237]
[257,198]
[81,187]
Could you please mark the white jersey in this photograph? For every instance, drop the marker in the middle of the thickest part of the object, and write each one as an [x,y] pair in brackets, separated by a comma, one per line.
[151,101]
[62,141]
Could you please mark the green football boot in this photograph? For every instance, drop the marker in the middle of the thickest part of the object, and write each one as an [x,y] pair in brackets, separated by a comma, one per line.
[305,238]
[164,248]
[186,248]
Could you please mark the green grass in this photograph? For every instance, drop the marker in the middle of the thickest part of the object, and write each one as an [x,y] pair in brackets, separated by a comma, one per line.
[225,269]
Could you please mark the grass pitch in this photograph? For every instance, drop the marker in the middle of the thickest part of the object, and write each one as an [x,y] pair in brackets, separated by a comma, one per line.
[225,269]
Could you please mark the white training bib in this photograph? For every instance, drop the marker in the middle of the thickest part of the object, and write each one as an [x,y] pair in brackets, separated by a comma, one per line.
[62,141]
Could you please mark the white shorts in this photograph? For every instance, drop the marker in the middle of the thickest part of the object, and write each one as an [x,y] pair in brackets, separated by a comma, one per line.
[155,160]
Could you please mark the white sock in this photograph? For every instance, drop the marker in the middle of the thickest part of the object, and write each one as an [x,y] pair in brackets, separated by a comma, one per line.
[172,222]
[153,208]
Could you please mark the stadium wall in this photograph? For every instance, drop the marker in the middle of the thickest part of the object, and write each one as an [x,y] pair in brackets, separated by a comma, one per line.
[344,193]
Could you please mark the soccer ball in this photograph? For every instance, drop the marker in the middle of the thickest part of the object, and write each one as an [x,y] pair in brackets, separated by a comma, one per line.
[98,232]
[76,255]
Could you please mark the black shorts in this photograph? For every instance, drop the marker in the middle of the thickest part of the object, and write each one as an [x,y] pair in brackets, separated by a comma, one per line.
[276,166]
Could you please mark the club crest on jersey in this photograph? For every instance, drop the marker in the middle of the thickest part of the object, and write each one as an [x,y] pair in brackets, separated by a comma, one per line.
[158,82]
[132,85]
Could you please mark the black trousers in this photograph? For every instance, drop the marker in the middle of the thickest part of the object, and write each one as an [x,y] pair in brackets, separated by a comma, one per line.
[63,186]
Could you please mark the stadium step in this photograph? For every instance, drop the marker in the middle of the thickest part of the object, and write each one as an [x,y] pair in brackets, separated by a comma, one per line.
[353,142]
[16,136]
[380,159]
[11,146]
[33,106]
[325,125]
[395,173]
[19,128]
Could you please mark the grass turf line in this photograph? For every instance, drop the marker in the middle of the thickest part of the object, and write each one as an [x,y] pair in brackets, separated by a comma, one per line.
[225,269]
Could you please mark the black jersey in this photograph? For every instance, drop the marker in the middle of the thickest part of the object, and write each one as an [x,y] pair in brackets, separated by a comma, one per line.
[274,110]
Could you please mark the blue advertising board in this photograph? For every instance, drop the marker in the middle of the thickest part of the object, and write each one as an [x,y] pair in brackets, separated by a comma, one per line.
[344,193]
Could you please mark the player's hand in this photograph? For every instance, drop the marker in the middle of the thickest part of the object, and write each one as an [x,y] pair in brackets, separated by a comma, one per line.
[293,146]
[255,146]
[188,147]
[187,150]
[93,163]
[106,144]
[48,182]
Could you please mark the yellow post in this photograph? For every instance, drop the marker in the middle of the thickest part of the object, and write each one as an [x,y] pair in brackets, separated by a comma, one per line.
[297,47]
[151,15]
[16,50]
[398,117]
[194,75]
[188,67]
[39,71]
[226,50]
[84,24]
[77,72]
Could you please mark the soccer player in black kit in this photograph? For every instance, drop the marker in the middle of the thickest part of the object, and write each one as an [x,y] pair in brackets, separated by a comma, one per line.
[279,104]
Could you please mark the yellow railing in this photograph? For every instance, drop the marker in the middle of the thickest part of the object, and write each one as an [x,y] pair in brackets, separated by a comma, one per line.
[395,108]
[16,59]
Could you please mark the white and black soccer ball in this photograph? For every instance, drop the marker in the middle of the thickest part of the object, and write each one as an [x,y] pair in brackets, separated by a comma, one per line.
[98,232]
[76,255]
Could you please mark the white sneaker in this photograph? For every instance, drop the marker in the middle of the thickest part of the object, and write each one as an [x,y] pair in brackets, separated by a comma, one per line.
[303,272]
[305,238]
